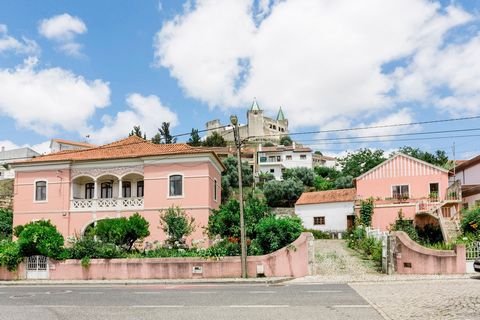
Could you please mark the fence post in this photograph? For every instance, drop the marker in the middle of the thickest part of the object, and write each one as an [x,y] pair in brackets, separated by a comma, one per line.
[390,267]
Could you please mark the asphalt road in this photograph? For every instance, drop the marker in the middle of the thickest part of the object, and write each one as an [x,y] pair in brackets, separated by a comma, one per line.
[297,302]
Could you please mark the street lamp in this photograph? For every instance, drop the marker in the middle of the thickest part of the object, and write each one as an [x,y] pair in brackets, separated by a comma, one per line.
[238,145]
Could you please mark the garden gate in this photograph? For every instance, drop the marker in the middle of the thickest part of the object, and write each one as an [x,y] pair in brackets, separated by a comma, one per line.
[37,267]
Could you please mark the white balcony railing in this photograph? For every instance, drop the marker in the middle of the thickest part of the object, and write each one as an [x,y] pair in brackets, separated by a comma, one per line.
[106,204]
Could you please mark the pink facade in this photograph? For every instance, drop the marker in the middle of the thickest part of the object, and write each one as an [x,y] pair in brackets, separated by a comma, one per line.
[401,183]
[79,193]
[294,260]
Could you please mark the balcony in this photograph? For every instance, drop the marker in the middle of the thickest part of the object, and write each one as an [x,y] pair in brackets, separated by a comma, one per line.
[107,192]
[111,204]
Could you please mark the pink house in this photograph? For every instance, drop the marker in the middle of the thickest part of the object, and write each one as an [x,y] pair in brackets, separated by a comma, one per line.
[420,189]
[76,188]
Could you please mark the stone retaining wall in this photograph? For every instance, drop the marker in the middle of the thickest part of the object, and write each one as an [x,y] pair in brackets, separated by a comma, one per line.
[412,258]
[291,261]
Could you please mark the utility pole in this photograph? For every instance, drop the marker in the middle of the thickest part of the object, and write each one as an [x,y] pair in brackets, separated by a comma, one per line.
[238,145]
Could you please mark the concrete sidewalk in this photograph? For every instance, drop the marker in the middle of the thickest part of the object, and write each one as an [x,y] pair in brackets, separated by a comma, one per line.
[271,280]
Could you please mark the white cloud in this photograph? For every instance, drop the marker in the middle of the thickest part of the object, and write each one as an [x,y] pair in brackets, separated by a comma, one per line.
[63,29]
[46,100]
[318,59]
[146,111]
[9,43]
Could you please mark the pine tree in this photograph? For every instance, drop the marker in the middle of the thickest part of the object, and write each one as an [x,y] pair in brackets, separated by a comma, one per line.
[194,140]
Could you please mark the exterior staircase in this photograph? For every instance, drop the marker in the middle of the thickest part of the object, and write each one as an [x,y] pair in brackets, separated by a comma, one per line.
[446,212]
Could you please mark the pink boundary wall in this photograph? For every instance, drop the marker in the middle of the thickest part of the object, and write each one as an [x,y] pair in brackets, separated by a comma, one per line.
[291,261]
[427,261]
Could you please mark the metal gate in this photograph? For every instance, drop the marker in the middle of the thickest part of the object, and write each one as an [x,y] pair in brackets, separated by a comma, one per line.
[37,267]
[473,250]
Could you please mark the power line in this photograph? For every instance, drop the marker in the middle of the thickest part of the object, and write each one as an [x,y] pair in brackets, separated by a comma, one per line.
[394,140]
[199,131]
[376,127]
[395,135]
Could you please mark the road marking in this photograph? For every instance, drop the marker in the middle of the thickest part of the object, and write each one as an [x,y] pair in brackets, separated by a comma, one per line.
[93,292]
[148,292]
[259,306]
[203,292]
[324,291]
[352,306]
[261,292]
[158,306]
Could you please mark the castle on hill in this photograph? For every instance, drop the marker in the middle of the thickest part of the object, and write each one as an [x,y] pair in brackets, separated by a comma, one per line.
[258,127]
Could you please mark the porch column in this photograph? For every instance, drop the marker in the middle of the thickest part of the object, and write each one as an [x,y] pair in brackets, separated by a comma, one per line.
[95,189]
[71,190]
[120,185]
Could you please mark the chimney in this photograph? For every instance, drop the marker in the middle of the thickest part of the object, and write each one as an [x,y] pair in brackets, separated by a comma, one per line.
[260,147]
[293,144]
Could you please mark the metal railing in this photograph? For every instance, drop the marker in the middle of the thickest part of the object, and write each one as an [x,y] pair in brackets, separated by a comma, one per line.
[473,250]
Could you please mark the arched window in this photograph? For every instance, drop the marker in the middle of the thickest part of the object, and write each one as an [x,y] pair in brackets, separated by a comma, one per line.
[41,191]
[126,189]
[89,190]
[176,185]
[106,190]
[139,188]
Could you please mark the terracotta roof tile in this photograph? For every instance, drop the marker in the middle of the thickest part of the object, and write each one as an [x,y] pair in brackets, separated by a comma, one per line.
[340,195]
[131,147]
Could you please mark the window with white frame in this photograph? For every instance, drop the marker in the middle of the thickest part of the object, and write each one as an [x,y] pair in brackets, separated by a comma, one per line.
[41,191]
[140,188]
[126,189]
[400,192]
[89,190]
[176,185]
[303,157]
[106,190]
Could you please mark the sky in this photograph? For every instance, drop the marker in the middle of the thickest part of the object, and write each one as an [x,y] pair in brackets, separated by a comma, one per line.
[78,69]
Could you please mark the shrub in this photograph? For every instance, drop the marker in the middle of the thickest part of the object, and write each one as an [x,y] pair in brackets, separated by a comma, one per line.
[231,173]
[326,172]
[176,224]
[88,247]
[322,184]
[225,222]
[122,231]
[366,212]
[318,234]
[263,178]
[405,225]
[10,255]
[274,233]
[39,238]
[282,193]
[430,234]
[344,182]
[471,221]
[6,222]
[305,175]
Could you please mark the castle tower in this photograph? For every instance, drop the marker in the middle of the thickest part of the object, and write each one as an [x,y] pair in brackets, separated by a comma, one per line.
[282,120]
[255,120]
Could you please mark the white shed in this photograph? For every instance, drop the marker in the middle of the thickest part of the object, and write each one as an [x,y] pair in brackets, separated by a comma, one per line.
[328,211]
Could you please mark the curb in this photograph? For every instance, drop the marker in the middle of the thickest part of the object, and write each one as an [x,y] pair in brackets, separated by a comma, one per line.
[145,282]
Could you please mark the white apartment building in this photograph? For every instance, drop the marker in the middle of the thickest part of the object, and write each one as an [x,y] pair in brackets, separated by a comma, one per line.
[275,159]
